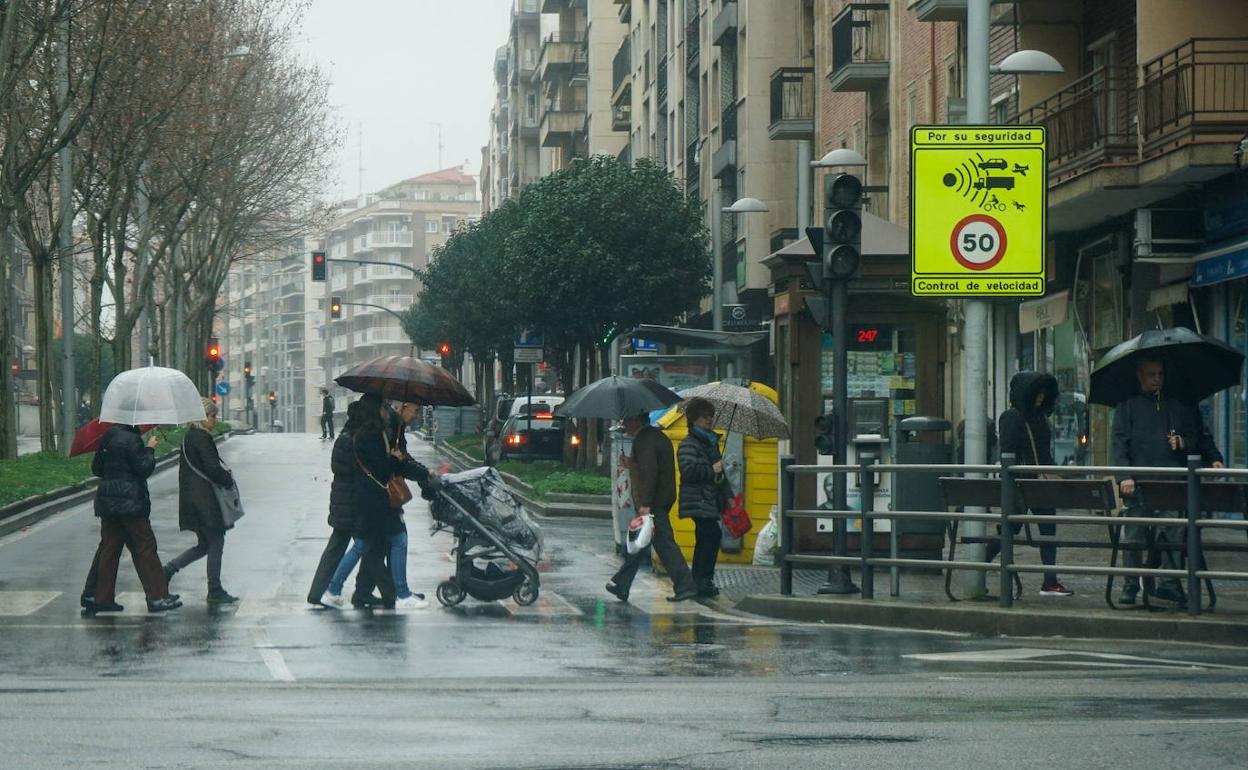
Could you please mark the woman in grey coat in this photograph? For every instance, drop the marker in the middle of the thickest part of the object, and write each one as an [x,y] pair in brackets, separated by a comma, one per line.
[701,478]
[198,511]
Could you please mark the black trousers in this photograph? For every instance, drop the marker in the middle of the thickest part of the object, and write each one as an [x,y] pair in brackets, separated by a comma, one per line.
[707,534]
[209,542]
[327,426]
[664,544]
[1048,553]
[372,573]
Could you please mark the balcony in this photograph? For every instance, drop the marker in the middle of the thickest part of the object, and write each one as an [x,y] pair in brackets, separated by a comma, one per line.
[524,65]
[1088,123]
[860,48]
[622,117]
[528,11]
[693,42]
[562,121]
[390,239]
[563,53]
[379,335]
[625,10]
[792,103]
[940,10]
[1196,93]
[724,27]
[661,82]
[693,169]
[724,160]
[556,6]
[622,73]
[526,124]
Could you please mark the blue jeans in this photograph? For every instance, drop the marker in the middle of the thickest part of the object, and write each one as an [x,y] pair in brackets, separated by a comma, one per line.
[398,564]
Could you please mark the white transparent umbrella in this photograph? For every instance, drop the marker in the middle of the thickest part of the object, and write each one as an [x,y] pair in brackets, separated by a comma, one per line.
[151,395]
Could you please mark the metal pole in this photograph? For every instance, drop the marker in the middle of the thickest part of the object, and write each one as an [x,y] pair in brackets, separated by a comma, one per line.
[804,156]
[866,486]
[69,390]
[788,486]
[1008,501]
[717,264]
[1193,535]
[839,581]
[975,327]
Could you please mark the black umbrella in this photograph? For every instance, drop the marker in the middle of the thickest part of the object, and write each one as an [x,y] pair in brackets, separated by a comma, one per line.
[403,378]
[1196,366]
[617,397]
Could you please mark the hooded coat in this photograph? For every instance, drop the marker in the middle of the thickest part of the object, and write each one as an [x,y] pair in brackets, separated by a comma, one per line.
[1036,447]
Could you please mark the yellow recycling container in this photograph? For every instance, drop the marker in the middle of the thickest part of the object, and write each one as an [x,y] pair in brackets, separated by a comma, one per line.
[761,458]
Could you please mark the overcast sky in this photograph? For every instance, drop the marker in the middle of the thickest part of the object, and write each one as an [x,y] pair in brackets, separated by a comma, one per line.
[399,67]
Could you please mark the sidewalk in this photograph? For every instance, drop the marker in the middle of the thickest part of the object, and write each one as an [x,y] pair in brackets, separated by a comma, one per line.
[922,603]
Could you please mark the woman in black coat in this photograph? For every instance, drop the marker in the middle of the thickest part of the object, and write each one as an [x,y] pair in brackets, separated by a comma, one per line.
[198,510]
[701,478]
[1025,432]
[124,507]
[377,460]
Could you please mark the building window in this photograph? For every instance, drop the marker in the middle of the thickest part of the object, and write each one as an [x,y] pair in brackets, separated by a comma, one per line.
[431,226]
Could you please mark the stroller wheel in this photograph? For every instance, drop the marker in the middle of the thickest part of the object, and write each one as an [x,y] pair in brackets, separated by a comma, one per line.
[525,594]
[449,593]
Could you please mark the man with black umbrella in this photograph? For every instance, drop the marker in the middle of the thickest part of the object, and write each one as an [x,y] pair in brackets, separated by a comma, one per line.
[1151,429]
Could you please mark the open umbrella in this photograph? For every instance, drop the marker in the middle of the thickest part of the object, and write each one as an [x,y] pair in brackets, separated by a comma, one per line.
[88,437]
[151,395]
[616,397]
[1196,366]
[403,378]
[740,410]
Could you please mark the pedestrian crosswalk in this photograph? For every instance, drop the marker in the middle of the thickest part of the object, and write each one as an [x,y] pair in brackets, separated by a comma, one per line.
[647,598]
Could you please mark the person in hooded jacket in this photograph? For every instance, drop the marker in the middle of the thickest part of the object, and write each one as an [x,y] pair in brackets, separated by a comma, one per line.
[198,510]
[124,507]
[1024,431]
[700,498]
[377,460]
[372,570]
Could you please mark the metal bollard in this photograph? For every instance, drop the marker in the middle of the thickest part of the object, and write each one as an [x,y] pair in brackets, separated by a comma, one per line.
[788,485]
[1009,499]
[1193,535]
[866,490]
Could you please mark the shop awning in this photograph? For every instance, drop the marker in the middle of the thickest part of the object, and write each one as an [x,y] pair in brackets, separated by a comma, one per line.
[1223,263]
[1164,296]
[679,335]
[1042,313]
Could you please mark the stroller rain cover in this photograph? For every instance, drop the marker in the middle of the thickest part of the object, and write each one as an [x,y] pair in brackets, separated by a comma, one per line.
[483,494]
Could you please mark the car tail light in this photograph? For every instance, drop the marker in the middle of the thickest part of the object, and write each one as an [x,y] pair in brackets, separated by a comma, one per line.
[515,439]
[543,416]
[576,440]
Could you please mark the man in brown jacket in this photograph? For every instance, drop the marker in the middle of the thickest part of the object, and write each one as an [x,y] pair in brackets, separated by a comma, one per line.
[652,470]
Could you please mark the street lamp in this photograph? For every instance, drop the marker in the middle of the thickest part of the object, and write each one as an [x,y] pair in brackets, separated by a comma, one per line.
[746,206]
[1027,63]
[739,206]
[842,156]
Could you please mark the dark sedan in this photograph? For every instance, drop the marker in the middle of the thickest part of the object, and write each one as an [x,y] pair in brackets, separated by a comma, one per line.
[535,437]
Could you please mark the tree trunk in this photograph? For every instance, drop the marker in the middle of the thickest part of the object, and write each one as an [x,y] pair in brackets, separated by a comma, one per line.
[43,350]
[8,405]
[95,385]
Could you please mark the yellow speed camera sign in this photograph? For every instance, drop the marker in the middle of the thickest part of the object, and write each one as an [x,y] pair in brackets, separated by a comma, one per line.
[977,206]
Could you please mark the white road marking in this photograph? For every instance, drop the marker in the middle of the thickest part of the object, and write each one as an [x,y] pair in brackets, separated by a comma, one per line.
[272,657]
[19,603]
[1065,658]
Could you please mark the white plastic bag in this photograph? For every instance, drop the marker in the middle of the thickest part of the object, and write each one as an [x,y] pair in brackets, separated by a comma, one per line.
[640,533]
[767,542]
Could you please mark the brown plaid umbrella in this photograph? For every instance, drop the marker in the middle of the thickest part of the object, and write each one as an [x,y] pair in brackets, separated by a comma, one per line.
[403,378]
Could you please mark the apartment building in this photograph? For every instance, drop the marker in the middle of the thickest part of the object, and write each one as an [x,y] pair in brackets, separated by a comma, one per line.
[399,226]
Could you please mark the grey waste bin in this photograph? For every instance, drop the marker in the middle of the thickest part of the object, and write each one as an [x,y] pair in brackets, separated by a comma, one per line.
[919,491]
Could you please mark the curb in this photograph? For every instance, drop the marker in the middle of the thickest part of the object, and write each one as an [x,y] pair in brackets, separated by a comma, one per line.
[559,506]
[32,510]
[995,621]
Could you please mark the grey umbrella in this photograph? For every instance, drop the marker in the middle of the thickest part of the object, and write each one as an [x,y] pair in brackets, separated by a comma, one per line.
[616,397]
[740,410]
[1196,366]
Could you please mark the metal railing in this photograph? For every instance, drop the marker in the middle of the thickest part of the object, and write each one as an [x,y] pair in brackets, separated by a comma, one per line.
[860,35]
[728,123]
[793,94]
[621,66]
[693,169]
[1090,121]
[661,81]
[867,561]
[1199,86]
[693,41]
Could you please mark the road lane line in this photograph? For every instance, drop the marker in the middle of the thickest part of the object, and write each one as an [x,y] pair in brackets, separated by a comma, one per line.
[272,657]
[21,603]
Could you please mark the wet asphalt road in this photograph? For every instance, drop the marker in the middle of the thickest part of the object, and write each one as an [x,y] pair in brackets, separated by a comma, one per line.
[577,680]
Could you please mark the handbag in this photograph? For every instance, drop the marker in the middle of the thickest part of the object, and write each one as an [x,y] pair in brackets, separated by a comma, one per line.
[735,518]
[229,501]
[397,491]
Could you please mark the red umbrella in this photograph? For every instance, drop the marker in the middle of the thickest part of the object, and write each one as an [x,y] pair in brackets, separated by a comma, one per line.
[88,437]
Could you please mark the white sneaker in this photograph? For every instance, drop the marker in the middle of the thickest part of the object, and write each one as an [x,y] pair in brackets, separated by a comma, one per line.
[412,602]
[333,600]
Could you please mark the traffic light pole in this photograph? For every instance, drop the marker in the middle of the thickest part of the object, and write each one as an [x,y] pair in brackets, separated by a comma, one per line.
[409,268]
[839,581]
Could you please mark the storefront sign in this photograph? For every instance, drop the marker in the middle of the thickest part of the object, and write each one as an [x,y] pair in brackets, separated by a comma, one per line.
[675,372]
[977,211]
[1043,313]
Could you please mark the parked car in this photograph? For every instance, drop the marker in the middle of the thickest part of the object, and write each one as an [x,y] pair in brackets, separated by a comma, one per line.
[538,436]
[522,404]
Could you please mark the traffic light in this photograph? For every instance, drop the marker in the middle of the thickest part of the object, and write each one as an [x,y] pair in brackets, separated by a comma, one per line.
[444,350]
[335,307]
[842,226]
[248,379]
[319,265]
[825,434]
[212,355]
[272,398]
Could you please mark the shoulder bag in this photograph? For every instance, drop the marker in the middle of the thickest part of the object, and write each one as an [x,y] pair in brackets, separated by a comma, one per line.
[397,490]
[229,502]
[1035,455]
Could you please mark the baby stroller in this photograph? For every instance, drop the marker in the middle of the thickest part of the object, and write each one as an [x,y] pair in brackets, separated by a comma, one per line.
[497,545]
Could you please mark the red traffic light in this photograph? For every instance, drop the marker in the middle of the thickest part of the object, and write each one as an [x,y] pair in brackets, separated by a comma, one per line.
[214,351]
[444,349]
